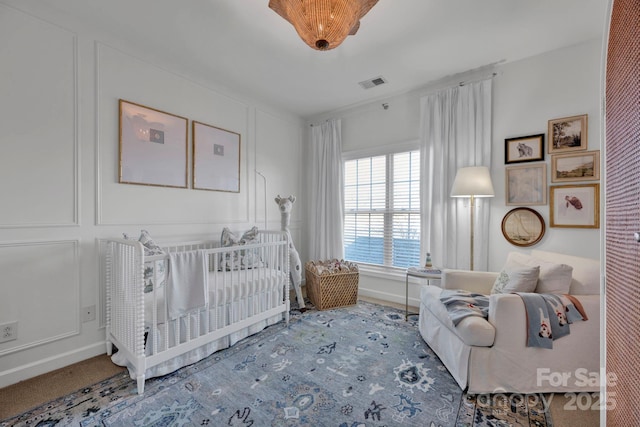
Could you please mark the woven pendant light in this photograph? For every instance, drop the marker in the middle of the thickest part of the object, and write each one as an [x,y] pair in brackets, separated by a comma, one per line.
[323,24]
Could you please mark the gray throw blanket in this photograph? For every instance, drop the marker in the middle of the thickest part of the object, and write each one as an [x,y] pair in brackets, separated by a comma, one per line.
[461,304]
[549,316]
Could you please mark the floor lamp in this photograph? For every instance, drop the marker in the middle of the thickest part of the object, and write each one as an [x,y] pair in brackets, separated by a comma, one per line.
[472,182]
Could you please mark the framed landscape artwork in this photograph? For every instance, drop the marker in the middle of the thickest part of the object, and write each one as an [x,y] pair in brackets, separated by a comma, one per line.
[526,185]
[568,134]
[524,149]
[153,147]
[584,166]
[575,206]
[216,158]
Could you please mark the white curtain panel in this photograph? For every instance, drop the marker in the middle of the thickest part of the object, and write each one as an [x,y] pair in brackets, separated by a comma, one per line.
[455,131]
[327,193]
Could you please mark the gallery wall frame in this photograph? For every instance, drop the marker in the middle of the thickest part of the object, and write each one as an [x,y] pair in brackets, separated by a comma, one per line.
[216,158]
[575,206]
[526,185]
[571,167]
[523,227]
[524,149]
[153,146]
[568,134]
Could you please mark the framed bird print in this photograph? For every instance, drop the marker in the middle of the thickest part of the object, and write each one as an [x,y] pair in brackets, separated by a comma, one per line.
[575,206]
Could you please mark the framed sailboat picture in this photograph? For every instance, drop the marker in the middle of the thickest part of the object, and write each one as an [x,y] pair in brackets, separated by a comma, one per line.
[523,227]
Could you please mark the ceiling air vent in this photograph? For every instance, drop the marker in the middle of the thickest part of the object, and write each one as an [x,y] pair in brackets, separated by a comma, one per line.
[376,81]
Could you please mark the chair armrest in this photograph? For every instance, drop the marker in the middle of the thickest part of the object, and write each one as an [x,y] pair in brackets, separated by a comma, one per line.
[479,282]
[507,314]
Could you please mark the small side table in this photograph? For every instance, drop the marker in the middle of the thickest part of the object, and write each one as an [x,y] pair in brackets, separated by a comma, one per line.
[422,272]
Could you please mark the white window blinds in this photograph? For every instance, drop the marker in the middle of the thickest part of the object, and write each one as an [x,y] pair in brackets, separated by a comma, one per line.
[382,209]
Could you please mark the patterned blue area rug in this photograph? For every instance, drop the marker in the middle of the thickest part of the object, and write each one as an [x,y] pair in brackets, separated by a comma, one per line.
[348,367]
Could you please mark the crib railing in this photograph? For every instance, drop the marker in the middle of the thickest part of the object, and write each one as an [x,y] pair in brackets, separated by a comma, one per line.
[247,284]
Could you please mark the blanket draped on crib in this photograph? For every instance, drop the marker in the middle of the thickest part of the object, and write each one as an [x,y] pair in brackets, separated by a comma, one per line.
[188,288]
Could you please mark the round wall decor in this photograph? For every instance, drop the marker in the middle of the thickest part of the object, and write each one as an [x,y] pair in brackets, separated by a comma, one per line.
[523,227]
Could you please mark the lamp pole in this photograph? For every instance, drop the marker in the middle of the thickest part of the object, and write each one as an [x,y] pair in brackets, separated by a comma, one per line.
[472,182]
[473,208]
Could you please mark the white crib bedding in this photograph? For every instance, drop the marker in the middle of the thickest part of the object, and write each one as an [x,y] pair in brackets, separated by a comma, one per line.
[252,282]
[258,290]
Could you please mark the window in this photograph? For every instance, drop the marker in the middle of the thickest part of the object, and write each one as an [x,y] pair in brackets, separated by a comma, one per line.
[382,209]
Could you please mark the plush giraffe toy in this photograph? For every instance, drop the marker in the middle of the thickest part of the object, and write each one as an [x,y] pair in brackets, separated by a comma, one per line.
[295,266]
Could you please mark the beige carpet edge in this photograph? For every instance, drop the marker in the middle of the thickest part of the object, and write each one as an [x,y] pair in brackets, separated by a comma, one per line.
[25,395]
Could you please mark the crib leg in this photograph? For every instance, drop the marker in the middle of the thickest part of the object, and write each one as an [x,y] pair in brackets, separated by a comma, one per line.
[140,384]
[109,348]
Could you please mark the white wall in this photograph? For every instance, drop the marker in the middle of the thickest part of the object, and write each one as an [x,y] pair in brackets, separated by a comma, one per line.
[59,156]
[526,94]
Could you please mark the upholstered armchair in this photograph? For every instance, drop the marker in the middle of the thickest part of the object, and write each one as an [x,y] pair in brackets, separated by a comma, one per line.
[491,355]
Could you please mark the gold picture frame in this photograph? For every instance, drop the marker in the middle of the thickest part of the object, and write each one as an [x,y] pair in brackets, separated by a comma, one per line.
[568,134]
[153,147]
[571,167]
[523,227]
[526,185]
[575,206]
[216,158]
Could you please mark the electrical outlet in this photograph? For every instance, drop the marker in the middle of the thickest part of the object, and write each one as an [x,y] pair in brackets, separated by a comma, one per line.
[89,313]
[8,331]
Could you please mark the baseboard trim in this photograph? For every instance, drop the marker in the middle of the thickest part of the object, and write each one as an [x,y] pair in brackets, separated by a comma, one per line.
[385,296]
[30,370]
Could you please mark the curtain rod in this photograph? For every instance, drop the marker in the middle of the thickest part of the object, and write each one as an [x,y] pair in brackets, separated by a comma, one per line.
[443,86]
[479,79]
[318,124]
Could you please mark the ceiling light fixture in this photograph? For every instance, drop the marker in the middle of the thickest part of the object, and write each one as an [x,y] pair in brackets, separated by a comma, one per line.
[323,24]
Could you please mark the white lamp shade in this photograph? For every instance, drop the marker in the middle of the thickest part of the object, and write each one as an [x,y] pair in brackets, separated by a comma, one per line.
[473,181]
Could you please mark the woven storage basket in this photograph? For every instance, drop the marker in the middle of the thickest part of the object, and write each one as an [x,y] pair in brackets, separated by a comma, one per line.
[330,290]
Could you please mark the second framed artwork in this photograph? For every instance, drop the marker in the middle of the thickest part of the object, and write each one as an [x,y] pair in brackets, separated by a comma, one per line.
[216,158]
[524,149]
[575,206]
[568,134]
[526,185]
[583,166]
[153,146]
[523,227]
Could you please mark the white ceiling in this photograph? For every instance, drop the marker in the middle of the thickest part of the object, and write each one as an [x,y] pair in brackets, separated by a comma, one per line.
[244,45]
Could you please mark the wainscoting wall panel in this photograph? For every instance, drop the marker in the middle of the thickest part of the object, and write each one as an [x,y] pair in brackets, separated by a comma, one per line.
[279,148]
[121,76]
[59,191]
[39,123]
[40,290]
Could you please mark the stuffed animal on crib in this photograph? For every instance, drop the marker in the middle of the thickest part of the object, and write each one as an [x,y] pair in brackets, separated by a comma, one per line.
[295,265]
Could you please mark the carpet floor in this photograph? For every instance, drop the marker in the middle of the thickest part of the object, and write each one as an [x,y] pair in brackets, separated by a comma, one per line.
[25,395]
[353,366]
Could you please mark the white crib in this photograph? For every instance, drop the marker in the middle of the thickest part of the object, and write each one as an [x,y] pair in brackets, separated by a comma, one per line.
[244,298]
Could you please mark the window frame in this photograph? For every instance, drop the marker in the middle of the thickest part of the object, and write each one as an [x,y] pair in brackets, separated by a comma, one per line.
[387,151]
